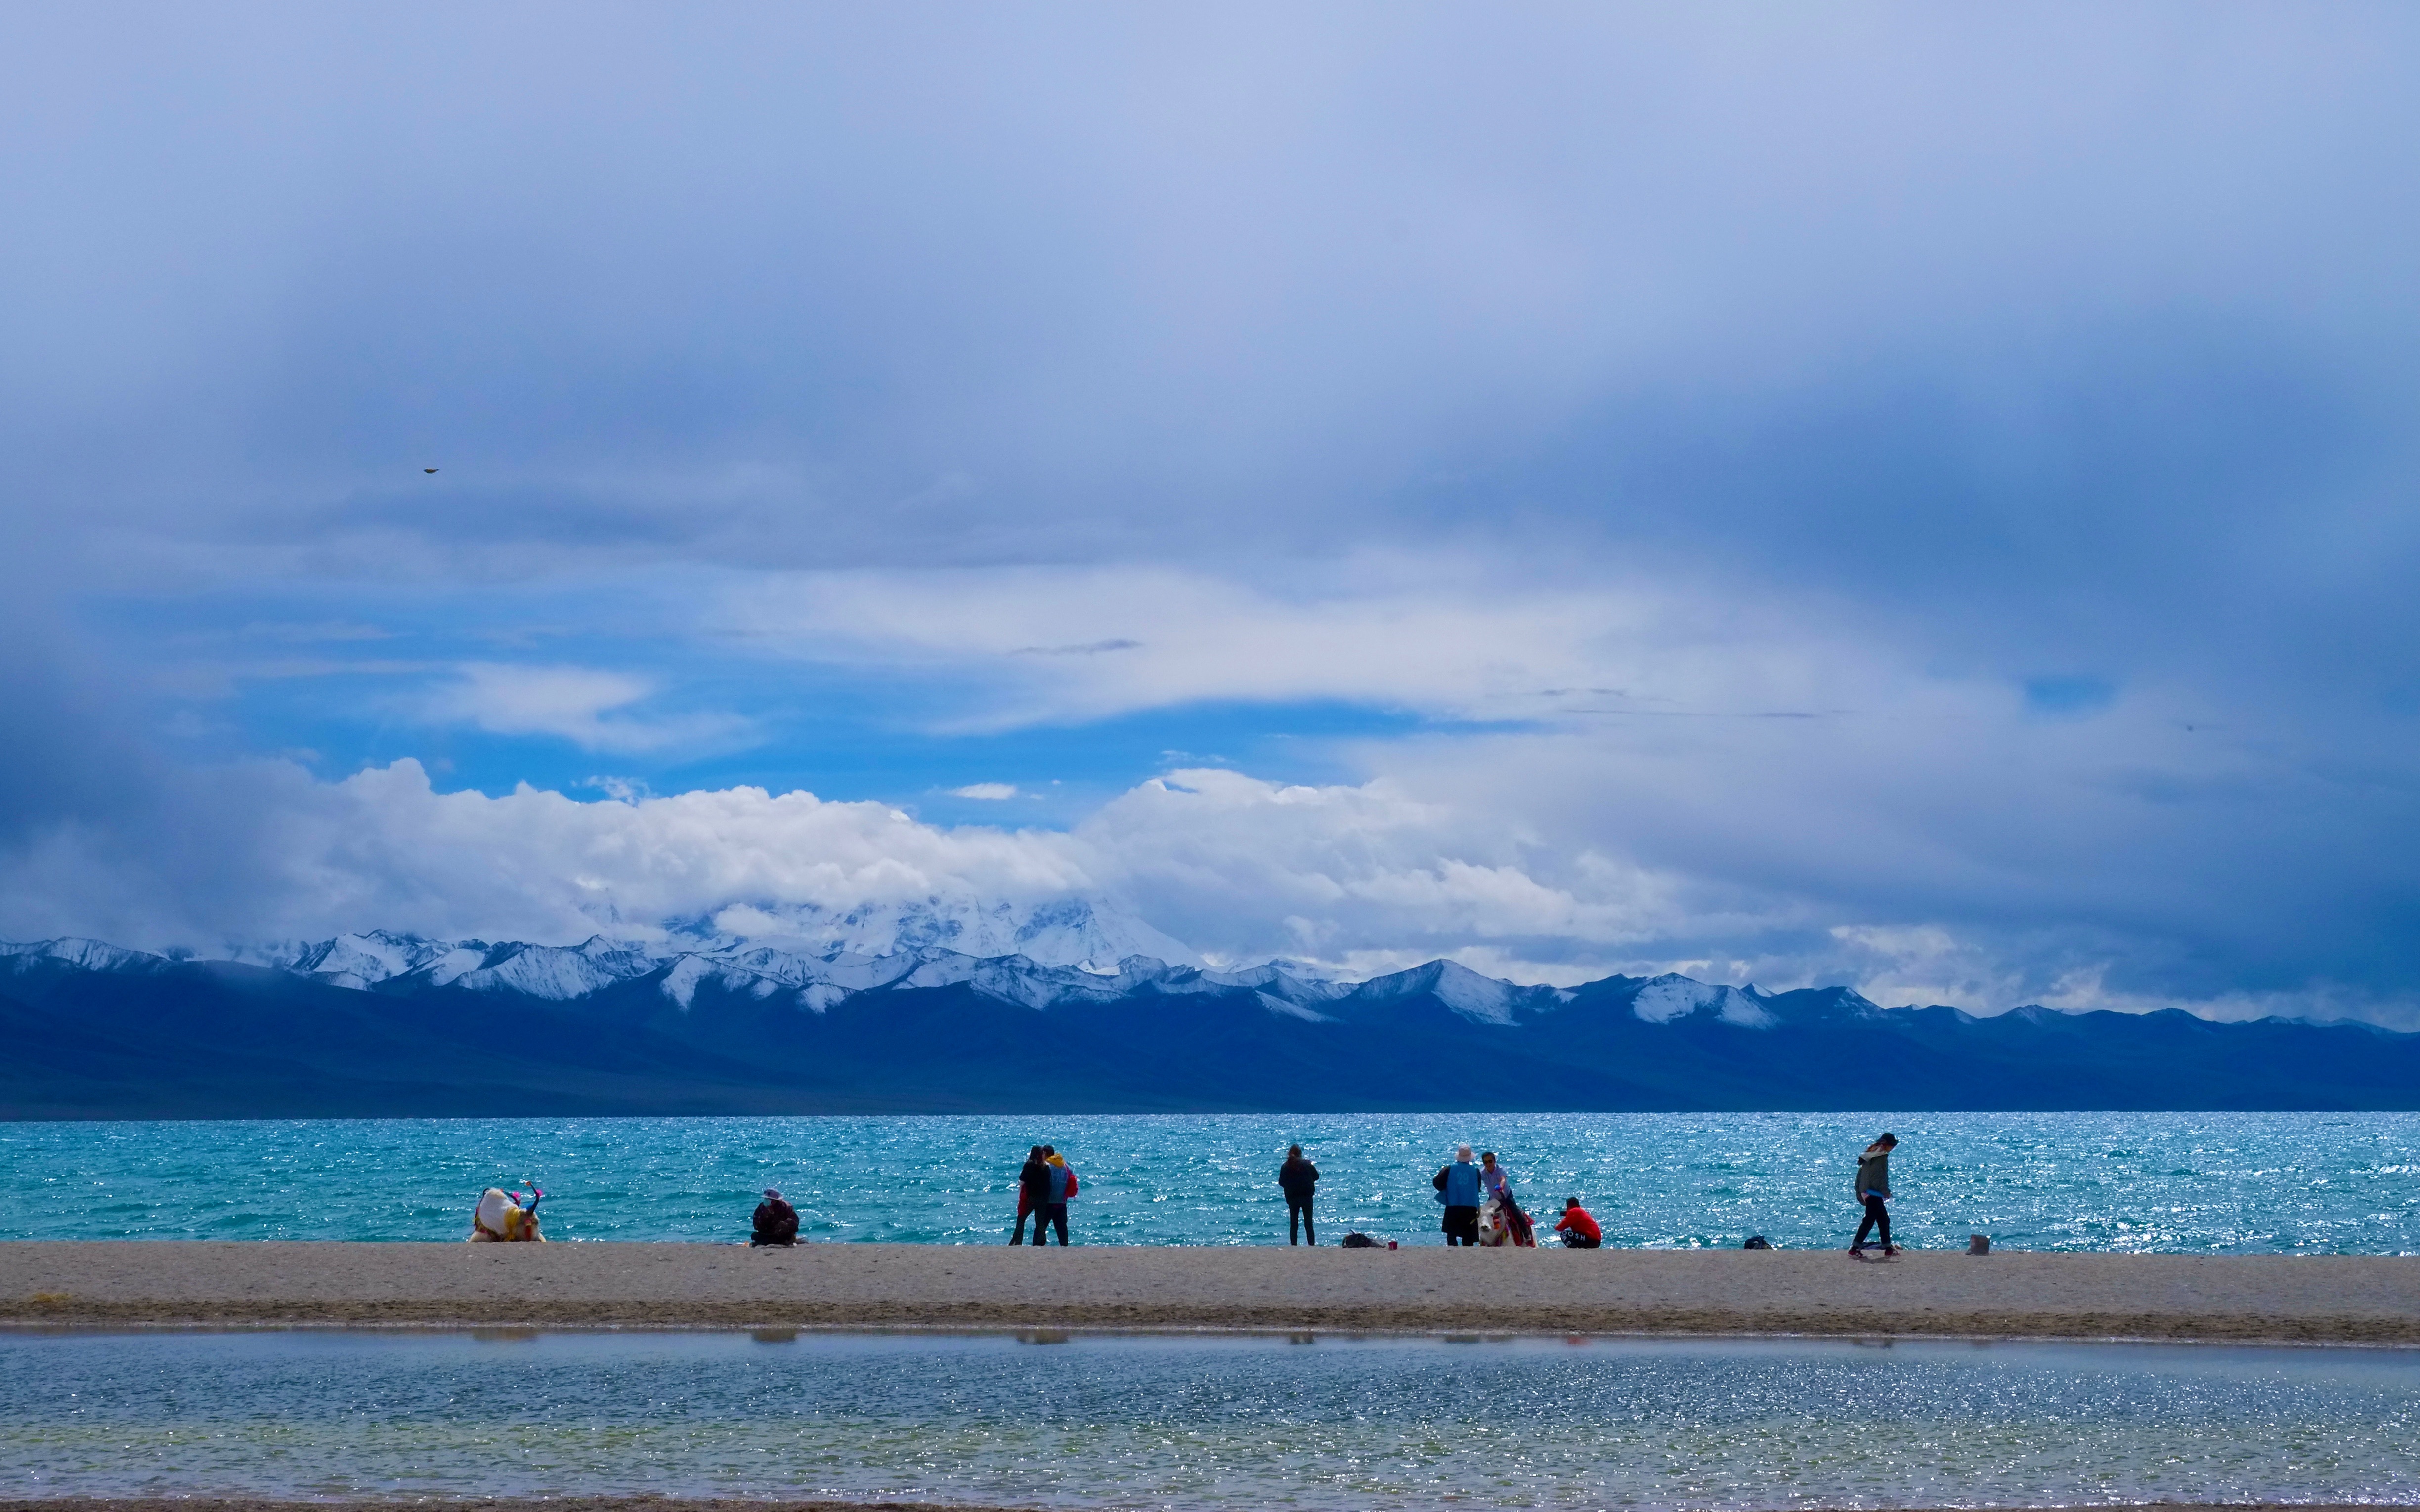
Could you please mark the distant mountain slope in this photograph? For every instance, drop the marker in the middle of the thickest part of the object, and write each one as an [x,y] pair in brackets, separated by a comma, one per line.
[394,1025]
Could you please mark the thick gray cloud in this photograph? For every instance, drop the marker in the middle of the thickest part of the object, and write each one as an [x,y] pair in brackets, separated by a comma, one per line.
[2020,404]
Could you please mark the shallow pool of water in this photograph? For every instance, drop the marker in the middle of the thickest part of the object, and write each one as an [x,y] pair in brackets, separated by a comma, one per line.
[1203,1422]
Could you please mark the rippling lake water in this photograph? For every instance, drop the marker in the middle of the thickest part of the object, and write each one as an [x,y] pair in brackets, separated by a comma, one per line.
[1203,1422]
[2188,1182]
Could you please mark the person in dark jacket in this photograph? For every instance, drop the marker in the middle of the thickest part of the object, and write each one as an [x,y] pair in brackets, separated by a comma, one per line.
[1873,1190]
[1032,1190]
[777,1221]
[1296,1177]
[1457,1187]
[1025,1188]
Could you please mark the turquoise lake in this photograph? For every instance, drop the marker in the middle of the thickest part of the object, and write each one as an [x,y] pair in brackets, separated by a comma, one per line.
[2247,1184]
[1203,1422]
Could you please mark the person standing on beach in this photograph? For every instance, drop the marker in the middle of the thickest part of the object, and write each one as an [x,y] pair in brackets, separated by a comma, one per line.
[1873,1190]
[1059,1184]
[1296,1177]
[1031,1182]
[1457,1187]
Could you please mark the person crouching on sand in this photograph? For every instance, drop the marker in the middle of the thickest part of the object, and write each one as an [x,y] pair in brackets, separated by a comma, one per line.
[1578,1229]
[1457,1187]
[1873,1190]
[776,1221]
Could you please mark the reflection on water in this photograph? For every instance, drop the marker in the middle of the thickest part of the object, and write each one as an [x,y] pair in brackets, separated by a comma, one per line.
[1085,1420]
[2238,1182]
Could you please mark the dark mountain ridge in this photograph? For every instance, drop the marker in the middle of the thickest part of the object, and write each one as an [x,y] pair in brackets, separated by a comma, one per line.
[473,1028]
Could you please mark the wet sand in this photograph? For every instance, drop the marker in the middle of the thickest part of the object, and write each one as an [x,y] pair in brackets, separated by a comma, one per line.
[2333,1299]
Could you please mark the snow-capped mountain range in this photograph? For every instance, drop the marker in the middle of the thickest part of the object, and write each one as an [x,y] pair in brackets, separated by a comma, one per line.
[791,945]
[383,961]
[873,1013]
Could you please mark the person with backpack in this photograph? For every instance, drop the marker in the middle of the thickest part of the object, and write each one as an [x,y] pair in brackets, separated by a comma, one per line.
[775,1222]
[1457,1187]
[1059,1184]
[1872,1188]
[1296,1177]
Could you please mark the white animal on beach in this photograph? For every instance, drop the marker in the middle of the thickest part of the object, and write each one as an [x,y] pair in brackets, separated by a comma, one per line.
[1496,1226]
[500,1218]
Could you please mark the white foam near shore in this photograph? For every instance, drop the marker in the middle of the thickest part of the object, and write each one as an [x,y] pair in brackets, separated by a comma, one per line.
[2318,1299]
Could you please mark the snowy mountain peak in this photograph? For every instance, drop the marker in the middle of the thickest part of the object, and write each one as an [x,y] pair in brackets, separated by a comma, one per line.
[1067,932]
[684,965]
[1666,997]
[90,955]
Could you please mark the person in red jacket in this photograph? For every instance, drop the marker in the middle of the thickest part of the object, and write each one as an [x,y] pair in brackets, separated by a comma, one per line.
[1578,1229]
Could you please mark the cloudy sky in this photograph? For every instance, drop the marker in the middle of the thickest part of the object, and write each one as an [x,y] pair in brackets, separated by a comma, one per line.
[1912,496]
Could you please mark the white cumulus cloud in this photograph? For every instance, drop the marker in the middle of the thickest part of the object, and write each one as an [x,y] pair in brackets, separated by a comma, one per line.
[589,707]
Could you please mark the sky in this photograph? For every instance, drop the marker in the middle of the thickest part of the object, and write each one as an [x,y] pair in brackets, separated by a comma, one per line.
[1920,498]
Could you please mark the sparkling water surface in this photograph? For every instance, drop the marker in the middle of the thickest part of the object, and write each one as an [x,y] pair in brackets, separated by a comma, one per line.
[2236,1183]
[1203,1422]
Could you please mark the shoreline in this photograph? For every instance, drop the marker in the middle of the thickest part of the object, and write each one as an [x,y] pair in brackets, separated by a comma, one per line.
[2307,1300]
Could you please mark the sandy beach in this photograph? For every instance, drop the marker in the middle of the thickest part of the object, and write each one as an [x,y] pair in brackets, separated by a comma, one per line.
[2335,1300]
[658,1503]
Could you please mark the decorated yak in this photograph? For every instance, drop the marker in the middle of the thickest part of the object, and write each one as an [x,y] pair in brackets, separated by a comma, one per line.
[505,1217]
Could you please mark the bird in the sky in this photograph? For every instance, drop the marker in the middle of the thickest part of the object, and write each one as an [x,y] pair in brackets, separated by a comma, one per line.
[427,469]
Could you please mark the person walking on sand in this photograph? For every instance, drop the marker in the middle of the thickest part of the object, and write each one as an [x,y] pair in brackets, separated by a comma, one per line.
[1873,1190]
[1457,1187]
[1296,1177]
[1034,1178]
[1059,1184]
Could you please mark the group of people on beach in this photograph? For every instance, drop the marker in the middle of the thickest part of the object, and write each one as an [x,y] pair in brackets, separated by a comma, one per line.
[1480,1209]
[1044,1184]
[1477,1199]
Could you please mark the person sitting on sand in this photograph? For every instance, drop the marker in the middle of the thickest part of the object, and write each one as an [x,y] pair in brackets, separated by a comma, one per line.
[1296,1178]
[1457,1187]
[777,1221]
[1873,1190]
[1578,1229]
